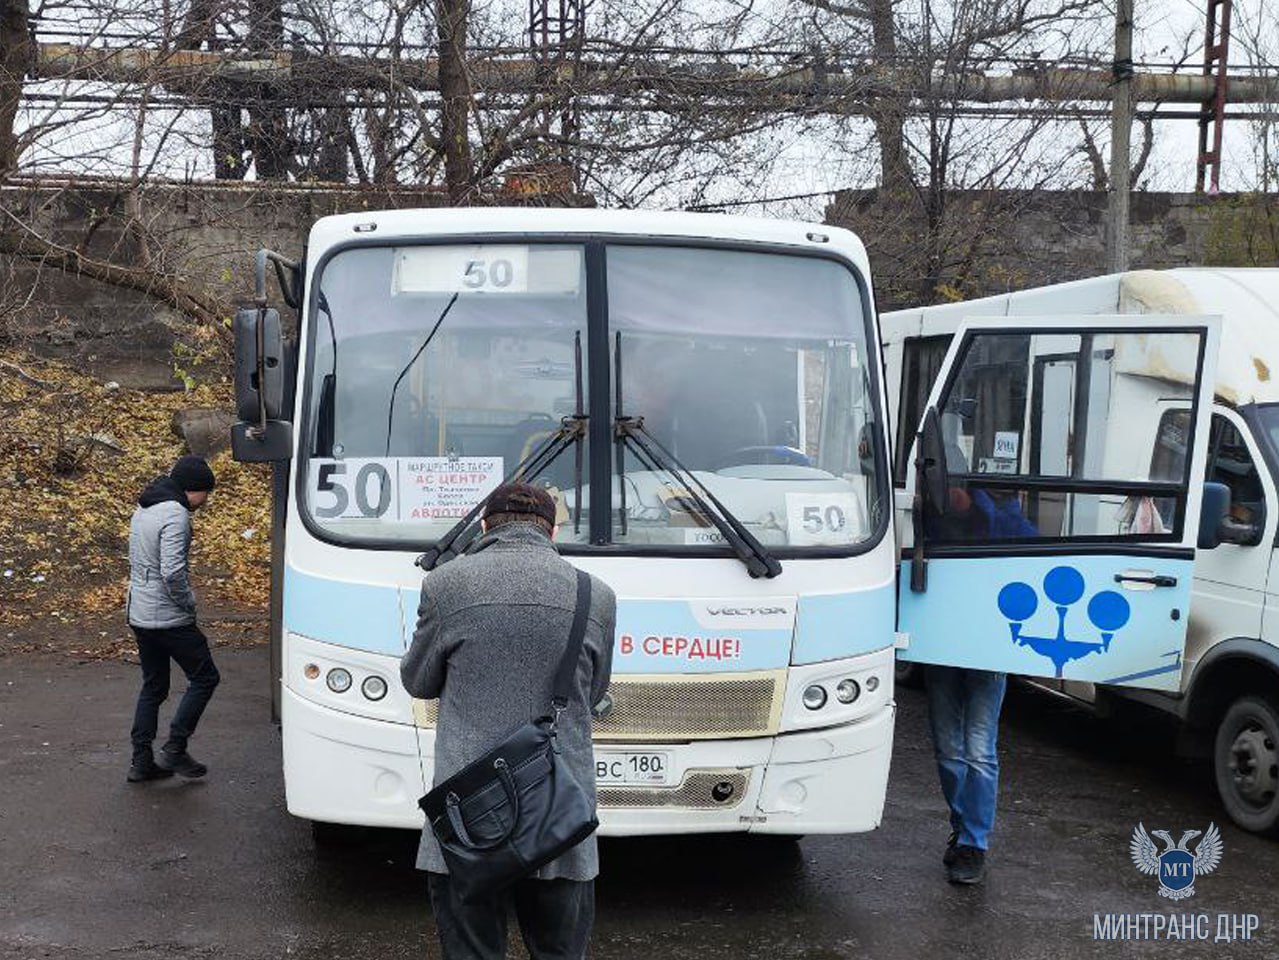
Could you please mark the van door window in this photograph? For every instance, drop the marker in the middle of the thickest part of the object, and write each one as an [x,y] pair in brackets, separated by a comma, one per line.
[1049,436]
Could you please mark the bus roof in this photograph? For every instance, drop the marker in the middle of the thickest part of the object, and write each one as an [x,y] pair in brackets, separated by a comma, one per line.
[1247,300]
[469,221]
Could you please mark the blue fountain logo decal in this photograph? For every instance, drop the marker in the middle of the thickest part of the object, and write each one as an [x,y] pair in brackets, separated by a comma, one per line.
[1108,611]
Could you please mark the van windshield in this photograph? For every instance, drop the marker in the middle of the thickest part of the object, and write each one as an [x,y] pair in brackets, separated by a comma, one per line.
[435,369]
[1267,415]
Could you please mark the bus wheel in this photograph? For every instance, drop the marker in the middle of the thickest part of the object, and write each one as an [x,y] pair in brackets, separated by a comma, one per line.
[333,834]
[908,674]
[1246,759]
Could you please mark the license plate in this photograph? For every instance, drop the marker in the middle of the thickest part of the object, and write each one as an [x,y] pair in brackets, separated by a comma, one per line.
[649,769]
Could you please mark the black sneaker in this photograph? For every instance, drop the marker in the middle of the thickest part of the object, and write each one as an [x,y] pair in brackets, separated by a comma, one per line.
[969,866]
[948,858]
[183,764]
[145,768]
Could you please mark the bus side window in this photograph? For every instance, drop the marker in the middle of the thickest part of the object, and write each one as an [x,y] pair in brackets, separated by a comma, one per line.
[1229,462]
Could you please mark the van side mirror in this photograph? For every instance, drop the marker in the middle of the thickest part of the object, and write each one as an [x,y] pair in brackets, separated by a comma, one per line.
[1212,513]
[260,372]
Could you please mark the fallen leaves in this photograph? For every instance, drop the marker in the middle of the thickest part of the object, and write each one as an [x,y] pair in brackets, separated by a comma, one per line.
[66,497]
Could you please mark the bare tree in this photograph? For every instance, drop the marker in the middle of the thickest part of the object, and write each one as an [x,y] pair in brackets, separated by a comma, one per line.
[935,147]
[15,62]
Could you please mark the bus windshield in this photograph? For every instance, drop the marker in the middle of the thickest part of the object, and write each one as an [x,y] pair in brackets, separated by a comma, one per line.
[435,369]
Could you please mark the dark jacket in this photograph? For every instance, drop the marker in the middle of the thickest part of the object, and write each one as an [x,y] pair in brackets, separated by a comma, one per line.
[160,593]
[491,628]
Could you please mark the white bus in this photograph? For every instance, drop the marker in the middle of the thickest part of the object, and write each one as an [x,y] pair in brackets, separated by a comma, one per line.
[703,397]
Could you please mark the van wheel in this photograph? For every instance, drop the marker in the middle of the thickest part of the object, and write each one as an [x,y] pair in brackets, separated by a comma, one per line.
[1246,759]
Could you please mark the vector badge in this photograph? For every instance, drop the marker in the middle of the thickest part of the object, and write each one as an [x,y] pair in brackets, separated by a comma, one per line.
[1176,867]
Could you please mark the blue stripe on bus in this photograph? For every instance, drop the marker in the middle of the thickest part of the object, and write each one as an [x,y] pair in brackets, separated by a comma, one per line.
[361,616]
[664,636]
[837,625]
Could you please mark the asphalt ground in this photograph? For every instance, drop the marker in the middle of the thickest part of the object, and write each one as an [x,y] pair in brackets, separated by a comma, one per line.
[92,867]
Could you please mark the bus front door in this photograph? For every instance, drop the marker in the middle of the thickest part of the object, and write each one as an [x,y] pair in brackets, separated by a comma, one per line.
[1048,540]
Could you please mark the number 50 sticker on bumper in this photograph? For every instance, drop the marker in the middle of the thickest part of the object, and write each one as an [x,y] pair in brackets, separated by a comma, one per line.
[401,488]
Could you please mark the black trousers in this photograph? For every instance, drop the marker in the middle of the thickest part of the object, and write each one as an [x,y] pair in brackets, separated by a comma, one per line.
[190,649]
[555,918]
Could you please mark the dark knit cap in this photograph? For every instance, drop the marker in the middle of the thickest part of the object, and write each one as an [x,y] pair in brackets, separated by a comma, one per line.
[192,474]
[521,498]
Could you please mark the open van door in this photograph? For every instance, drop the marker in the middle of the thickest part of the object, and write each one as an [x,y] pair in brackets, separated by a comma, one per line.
[1056,509]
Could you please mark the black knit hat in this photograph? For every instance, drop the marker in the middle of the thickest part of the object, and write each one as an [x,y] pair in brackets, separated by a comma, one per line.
[521,498]
[192,474]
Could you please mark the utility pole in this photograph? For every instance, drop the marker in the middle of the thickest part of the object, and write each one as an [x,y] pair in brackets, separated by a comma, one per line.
[1120,143]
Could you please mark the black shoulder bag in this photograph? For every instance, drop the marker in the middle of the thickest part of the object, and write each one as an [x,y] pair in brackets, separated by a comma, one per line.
[517,807]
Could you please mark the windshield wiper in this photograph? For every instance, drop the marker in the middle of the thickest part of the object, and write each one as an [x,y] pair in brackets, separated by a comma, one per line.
[571,433]
[628,430]
[759,562]
[390,407]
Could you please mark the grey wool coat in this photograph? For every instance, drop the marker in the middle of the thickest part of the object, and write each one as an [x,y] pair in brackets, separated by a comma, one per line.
[160,593]
[491,628]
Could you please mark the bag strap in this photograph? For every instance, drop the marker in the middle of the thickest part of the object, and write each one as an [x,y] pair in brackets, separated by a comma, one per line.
[562,692]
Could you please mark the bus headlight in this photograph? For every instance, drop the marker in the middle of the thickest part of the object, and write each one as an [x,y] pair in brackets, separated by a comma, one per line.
[373,687]
[338,680]
[848,691]
[815,697]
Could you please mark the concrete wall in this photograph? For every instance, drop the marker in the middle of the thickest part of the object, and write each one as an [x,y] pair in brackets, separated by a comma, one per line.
[992,243]
[205,234]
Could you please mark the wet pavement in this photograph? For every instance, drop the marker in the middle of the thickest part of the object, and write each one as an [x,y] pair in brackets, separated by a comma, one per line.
[93,867]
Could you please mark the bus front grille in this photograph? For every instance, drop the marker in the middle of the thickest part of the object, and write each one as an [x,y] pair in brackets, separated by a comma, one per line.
[661,707]
[700,790]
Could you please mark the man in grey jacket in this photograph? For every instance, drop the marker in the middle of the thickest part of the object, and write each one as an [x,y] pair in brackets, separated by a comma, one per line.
[161,611]
[492,627]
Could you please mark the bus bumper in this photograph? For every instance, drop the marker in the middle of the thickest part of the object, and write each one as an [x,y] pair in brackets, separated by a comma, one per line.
[818,781]
[342,768]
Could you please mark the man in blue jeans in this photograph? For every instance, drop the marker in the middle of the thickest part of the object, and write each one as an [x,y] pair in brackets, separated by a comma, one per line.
[963,709]
[161,611]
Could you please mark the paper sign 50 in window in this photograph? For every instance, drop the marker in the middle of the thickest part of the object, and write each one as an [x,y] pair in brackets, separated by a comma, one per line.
[406,489]
[486,269]
[828,519]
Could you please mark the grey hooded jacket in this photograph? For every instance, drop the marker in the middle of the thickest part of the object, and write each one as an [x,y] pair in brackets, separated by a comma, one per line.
[160,593]
[491,628]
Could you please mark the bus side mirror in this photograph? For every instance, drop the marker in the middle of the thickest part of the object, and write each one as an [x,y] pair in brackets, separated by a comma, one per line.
[1213,511]
[932,490]
[259,365]
[933,477]
[263,378]
[252,444]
